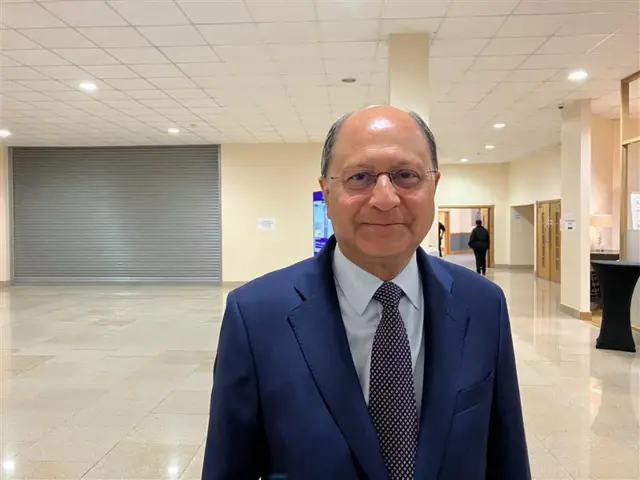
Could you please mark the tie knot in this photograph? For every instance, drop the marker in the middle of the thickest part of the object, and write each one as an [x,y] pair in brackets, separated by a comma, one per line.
[389,295]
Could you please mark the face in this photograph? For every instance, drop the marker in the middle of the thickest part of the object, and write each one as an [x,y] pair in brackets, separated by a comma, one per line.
[383,221]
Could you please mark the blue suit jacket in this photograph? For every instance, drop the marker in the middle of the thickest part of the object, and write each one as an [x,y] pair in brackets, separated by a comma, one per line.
[287,403]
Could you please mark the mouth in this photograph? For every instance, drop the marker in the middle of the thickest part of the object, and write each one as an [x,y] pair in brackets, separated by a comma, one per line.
[380,225]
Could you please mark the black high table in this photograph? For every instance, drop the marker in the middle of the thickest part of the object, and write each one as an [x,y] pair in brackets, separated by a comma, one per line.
[617,281]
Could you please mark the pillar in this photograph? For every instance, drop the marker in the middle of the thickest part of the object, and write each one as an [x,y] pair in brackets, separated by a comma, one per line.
[5,214]
[575,171]
[409,87]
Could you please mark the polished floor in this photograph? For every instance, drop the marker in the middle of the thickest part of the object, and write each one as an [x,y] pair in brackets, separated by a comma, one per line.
[112,382]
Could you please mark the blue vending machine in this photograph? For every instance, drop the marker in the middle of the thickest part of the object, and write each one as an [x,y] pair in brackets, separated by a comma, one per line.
[322,228]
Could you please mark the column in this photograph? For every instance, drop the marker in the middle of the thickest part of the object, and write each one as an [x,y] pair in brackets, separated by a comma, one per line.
[5,214]
[576,205]
[409,87]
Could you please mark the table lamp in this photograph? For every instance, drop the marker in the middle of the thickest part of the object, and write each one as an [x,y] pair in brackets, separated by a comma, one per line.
[600,221]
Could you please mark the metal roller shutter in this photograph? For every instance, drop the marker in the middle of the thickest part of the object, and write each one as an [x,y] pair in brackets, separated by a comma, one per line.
[117,214]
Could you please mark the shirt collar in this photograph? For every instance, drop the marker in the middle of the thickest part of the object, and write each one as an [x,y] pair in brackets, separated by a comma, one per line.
[359,286]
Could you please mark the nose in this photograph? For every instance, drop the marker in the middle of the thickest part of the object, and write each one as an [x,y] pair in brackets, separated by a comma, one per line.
[384,196]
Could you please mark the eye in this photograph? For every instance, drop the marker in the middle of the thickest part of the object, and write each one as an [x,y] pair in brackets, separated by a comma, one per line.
[407,174]
[358,177]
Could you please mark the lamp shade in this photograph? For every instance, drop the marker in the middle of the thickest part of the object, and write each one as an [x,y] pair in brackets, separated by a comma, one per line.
[601,220]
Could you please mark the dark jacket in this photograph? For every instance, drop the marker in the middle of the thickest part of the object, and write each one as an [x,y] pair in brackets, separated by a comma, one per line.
[479,239]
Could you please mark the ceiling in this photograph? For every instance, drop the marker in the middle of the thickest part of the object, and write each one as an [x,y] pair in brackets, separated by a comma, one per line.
[270,71]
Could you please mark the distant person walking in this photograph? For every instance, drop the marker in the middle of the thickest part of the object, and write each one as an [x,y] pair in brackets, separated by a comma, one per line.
[441,232]
[479,242]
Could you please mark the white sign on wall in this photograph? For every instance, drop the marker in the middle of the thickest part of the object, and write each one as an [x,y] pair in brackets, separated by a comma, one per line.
[267,224]
[635,211]
[569,221]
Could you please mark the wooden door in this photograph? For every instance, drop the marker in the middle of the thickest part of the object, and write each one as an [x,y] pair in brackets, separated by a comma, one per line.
[486,215]
[556,241]
[543,243]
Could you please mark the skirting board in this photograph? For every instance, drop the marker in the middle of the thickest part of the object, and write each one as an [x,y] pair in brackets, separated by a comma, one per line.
[572,312]
[513,267]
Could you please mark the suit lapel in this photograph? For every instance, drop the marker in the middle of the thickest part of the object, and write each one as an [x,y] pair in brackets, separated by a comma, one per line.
[445,328]
[317,324]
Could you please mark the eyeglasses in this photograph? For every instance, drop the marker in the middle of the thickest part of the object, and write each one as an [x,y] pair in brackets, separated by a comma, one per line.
[363,181]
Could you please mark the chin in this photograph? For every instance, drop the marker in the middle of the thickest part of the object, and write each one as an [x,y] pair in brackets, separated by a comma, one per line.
[382,247]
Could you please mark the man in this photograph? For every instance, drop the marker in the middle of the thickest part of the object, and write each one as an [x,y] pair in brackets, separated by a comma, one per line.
[441,231]
[479,242]
[372,360]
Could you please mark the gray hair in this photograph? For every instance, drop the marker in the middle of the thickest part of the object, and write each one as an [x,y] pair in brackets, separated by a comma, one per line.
[332,136]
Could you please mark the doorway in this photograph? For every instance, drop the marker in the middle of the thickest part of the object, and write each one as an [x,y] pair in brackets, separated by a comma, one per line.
[461,221]
[548,240]
[444,219]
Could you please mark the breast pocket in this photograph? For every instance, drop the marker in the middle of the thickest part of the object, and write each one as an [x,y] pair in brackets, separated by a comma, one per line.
[476,394]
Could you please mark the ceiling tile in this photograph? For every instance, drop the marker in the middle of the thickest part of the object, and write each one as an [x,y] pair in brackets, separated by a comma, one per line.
[35,57]
[12,40]
[150,14]
[470,27]
[63,73]
[349,31]
[152,94]
[7,86]
[409,25]
[114,37]
[412,9]
[351,10]
[163,70]
[592,24]
[58,38]
[43,85]
[551,61]
[130,84]
[285,53]
[502,62]
[232,34]
[355,50]
[513,46]
[243,53]
[298,32]
[485,75]
[472,8]
[197,70]
[87,56]
[108,72]
[531,25]
[532,7]
[540,75]
[190,54]
[173,36]
[457,48]
[232,11]
[85,13]
[28,15]
[173,83]
[188,94]
[139,55]
[269,11]
[576,44]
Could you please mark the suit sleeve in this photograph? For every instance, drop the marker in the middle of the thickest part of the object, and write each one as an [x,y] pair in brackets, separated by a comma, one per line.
[235,444]
[508,457]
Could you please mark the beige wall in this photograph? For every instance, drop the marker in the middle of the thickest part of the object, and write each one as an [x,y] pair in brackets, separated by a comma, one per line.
[461,220]
[276,181]
[266,181]
[535,178]
[5,269]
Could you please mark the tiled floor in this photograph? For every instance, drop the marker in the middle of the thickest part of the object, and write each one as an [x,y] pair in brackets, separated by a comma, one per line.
[113,383]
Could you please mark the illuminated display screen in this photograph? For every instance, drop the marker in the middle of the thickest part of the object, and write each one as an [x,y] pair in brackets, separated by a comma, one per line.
[322,228]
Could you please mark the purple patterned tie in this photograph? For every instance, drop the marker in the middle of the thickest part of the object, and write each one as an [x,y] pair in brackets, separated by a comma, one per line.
[392,400]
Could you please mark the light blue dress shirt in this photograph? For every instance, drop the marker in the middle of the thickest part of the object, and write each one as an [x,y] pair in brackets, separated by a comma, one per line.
[361,315]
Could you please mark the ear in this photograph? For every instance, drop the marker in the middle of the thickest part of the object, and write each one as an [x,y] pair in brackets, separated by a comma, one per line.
[436,181]
[324,186]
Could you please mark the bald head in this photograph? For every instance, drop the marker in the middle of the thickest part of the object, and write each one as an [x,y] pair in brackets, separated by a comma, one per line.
[371,118]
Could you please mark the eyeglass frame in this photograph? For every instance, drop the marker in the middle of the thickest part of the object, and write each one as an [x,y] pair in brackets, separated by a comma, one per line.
[391,175]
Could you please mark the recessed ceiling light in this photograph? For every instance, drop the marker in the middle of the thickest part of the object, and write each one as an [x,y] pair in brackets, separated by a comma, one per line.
[9,465]
[88,86]
[464,160]
[489,147]
[173,130]
[4,133]
[499,125]
[348,80]
[578,75]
